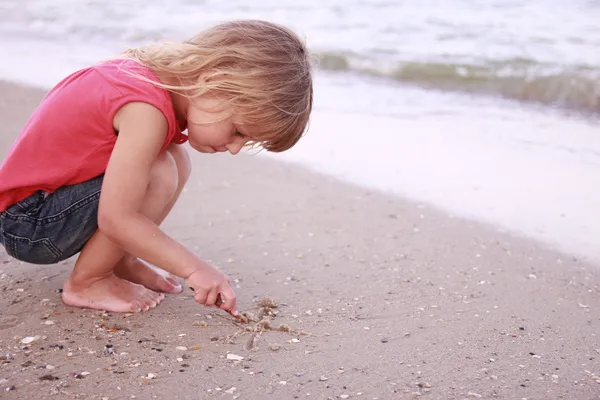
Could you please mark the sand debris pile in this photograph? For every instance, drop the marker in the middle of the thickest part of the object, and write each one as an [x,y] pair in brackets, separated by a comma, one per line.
[261,321]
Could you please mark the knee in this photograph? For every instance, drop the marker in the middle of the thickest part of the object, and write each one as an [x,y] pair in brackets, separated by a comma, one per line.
[164,178]
[182,161]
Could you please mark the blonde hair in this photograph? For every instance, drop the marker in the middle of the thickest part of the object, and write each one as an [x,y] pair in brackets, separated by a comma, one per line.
[261,69]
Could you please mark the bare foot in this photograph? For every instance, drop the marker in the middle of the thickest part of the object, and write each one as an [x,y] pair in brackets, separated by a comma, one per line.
[110,293]
[135,270]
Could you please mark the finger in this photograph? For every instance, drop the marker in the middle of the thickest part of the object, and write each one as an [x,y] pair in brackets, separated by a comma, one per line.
[211,298]
[230,301]
[200,296]
[219,300]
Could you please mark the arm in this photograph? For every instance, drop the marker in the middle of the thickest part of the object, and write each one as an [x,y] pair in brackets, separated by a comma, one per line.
[142,132]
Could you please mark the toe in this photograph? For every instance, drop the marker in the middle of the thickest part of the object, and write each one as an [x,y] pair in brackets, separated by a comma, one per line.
[135,308]
[143,304]
[150,300]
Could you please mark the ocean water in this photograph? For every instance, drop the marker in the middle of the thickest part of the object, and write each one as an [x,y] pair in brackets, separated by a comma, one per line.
[488,109]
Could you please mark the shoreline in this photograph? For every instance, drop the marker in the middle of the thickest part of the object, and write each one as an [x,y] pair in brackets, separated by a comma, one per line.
[398,300]
[27,95]
[436,162]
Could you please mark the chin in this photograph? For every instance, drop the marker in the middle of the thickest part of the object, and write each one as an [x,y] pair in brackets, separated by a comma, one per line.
[201,148]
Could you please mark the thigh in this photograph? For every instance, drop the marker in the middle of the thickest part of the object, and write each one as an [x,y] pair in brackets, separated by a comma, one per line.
[48,228]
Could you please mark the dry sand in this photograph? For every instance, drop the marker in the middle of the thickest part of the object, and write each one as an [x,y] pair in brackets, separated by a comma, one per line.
[399,300]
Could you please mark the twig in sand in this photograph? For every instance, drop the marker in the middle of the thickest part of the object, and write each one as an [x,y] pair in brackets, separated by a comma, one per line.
[261,323]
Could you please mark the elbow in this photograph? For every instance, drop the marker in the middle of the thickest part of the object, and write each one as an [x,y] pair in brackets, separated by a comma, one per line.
[109,225]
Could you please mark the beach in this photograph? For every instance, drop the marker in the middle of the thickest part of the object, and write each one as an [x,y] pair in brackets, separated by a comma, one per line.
[368,295]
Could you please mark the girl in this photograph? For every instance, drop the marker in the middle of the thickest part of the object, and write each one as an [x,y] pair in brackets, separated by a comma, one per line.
[100,163]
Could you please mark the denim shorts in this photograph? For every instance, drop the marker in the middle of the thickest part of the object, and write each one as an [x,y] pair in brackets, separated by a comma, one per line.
[46,228]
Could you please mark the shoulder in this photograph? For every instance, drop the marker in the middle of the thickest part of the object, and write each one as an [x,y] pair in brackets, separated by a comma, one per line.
[130,77]
[109,83]
[140,94]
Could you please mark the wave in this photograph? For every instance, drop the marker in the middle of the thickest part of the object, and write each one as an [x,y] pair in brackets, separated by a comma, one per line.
[521,79]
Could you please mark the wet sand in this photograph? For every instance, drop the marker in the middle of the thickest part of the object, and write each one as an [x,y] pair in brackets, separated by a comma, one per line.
[383,298]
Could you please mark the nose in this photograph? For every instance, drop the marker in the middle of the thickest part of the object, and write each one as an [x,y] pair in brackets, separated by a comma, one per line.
[235,147]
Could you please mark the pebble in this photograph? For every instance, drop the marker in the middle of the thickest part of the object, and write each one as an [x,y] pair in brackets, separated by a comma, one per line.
[234,357]
[30,339]
[150,375]
[231,390]
[274,346]
[181,348]
[323,378]
[49,322]
[51,378]
[344,396]
[109,349]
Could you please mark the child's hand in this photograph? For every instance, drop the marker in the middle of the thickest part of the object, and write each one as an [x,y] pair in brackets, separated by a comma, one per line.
[212,288]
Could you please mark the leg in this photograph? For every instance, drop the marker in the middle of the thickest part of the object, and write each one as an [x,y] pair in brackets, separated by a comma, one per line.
[93,283]
[135,270]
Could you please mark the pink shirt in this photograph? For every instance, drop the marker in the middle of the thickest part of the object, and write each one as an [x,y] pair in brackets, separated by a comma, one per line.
[70,136]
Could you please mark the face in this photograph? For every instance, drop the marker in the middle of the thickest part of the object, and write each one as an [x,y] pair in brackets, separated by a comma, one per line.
[208,136]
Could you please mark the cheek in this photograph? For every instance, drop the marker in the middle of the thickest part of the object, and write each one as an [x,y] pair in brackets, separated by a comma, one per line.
[198,133]
[213,135]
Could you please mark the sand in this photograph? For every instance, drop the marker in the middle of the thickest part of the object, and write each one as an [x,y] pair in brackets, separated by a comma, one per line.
[381,298]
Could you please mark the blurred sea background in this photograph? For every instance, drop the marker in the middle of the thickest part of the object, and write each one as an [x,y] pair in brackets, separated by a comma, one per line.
[486,109]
